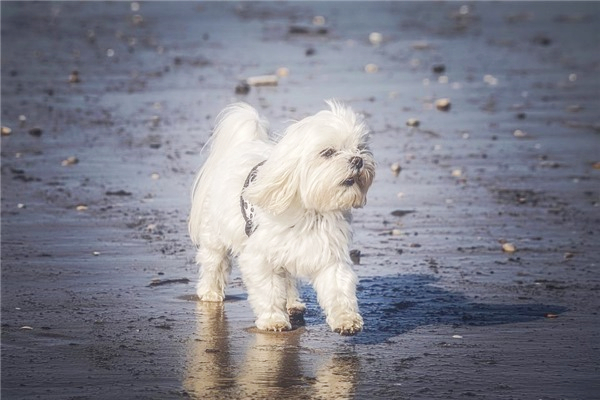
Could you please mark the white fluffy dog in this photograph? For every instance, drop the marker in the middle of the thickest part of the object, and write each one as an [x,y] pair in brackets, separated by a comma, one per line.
[283,208]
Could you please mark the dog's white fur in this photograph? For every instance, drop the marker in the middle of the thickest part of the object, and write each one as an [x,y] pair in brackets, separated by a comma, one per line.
[302,196]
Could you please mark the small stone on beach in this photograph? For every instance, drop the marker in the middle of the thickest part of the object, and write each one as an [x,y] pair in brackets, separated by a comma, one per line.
[443,104]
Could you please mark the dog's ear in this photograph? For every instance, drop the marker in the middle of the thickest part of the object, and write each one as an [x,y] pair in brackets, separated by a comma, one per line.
[275,187]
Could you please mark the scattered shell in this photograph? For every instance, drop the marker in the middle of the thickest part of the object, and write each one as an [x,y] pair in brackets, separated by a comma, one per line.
[375,38]
[26,328]
[396,168]
[283,72]
[457,337]
[490,80]
[413,122]
[396,232]
[519,133]
[21,205]
[96,253]
[457,173]
[6,131]
[371,68]
[318,20]
[81,207]
[155,176]
[508,247]
[442,104]
[421,45]
[262,80]
[70,161]
[74,77]
[551,315]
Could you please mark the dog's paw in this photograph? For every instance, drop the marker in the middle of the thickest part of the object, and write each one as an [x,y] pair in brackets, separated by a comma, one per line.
[211,296]
[348,324]
[296,309]
[273,322]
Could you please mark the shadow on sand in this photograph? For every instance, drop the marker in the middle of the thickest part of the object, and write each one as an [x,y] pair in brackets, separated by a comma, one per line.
[254,364]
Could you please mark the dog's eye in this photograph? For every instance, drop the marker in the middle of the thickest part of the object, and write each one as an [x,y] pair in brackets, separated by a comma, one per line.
[327,153]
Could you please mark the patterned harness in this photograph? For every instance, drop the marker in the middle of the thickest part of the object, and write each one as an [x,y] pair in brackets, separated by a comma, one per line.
[247,207]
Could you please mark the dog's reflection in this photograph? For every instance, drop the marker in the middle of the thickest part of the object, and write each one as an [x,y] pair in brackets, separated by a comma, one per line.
[255,364]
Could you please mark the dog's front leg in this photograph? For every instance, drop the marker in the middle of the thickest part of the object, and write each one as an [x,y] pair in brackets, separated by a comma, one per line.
[336,291]
[266,292]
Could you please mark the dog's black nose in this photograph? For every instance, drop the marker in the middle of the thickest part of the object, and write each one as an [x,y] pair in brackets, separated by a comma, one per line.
[356,162]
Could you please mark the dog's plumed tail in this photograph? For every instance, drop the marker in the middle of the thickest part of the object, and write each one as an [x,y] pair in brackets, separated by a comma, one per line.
[236,125]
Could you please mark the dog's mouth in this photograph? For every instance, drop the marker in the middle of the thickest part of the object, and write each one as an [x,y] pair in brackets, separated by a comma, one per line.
[348,182]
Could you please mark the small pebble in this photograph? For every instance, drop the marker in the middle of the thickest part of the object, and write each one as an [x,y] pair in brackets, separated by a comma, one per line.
[81,207]
[242,88]
[318,20]
[70,161]
[442,104]
[355,256]
[413,122]
[396,168]
[396,232]
[6,131]
[457,337]
[74,77]
[96,253]
[371,68]
[457,173]
[155,176]
[596,165]
[283,72]
[519,133]
[35,131]
[508,247]
[21,205]
[375,38]
[439,68]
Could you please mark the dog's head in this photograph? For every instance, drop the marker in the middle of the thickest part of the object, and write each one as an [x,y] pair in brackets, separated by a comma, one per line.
[323,163]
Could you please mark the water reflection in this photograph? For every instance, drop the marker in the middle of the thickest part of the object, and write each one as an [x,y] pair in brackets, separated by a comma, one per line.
[229,363]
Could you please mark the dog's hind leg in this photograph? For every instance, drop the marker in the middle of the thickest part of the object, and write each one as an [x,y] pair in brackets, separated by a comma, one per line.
[215,267]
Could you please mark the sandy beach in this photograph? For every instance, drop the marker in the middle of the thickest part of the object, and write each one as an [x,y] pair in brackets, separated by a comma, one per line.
[479,246]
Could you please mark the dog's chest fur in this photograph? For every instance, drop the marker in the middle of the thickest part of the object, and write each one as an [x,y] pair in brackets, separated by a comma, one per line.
[316,239]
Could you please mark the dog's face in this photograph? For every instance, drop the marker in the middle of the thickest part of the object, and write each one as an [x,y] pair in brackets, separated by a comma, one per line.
[323,163]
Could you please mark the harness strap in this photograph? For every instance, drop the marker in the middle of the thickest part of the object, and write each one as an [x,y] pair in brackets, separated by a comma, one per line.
[247,207]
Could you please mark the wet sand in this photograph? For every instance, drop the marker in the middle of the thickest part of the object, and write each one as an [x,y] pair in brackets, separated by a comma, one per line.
[117,101]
